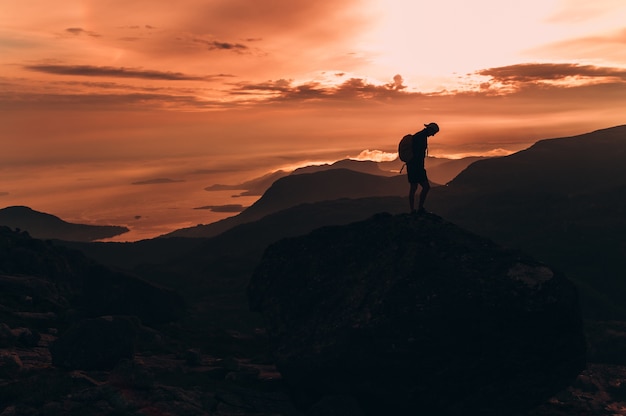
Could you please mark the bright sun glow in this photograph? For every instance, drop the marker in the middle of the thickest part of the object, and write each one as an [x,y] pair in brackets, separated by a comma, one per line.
[432,43]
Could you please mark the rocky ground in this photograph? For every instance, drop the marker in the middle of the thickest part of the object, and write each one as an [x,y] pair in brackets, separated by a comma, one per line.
[170,381]
[601,388]
[193,381]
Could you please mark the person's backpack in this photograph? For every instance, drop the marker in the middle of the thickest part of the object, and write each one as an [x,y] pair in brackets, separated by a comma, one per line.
[405,148]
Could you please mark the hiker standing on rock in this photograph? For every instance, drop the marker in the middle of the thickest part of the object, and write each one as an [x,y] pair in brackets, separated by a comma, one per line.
[412,151]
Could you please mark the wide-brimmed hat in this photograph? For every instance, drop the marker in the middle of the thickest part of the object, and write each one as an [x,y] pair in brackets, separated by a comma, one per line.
[433,126]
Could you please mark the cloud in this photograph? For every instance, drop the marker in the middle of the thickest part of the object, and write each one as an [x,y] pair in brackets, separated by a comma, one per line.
[533,72]
[286,34]
[217,45]
[224,208]
[531,78]
[134,27]
[398,83]
[77,31]
[568,74]
[353,88]
[121,72]
[498,152]
[545,82]
[157,181]
[95,101]
[376,156]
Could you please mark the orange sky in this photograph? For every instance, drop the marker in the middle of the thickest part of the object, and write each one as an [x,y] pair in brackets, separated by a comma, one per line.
[98,95]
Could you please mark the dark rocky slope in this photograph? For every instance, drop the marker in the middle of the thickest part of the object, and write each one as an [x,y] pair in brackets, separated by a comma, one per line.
[42,279]
[413,315]
[561,200]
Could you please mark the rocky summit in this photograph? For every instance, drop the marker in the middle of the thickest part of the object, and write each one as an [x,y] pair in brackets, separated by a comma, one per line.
[410,314]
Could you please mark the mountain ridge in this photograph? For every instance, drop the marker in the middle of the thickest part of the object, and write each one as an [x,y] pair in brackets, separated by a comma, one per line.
[548,160]
[562,200]
[47,226]
[293,190]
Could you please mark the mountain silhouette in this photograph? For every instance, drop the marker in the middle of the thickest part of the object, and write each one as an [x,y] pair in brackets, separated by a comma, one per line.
[69,285]
[440,170]
[562,200]
[293,190]
[213,272]
[258,186]
[342,179]
[252,187]
[570,165]
[47,226]
[363,166]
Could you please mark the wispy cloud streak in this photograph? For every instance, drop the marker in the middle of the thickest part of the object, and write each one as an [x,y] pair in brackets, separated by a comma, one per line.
[551,72]
[108,71]
[353,88]
[217,45]
[77,31]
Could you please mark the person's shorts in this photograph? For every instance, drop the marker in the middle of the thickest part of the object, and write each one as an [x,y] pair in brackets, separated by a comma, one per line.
[416,173]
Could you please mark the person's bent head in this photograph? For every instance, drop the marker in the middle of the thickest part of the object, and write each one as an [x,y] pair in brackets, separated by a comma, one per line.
[432,128]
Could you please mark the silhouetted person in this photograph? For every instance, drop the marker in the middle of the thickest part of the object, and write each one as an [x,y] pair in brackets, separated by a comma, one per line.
[415,167]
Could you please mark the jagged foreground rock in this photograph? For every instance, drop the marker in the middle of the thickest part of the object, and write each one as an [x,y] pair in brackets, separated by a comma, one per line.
[413,315]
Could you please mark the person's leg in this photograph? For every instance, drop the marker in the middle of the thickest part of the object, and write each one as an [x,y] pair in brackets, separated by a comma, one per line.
[412,191]
[425,188]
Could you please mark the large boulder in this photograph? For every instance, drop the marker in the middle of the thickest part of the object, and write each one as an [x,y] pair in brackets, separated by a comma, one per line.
[413,315]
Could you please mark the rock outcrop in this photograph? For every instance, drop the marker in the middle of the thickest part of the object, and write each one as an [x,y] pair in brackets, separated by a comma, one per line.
[413,315]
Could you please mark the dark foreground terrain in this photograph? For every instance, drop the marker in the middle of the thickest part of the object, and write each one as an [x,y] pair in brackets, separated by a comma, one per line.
[61,356]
